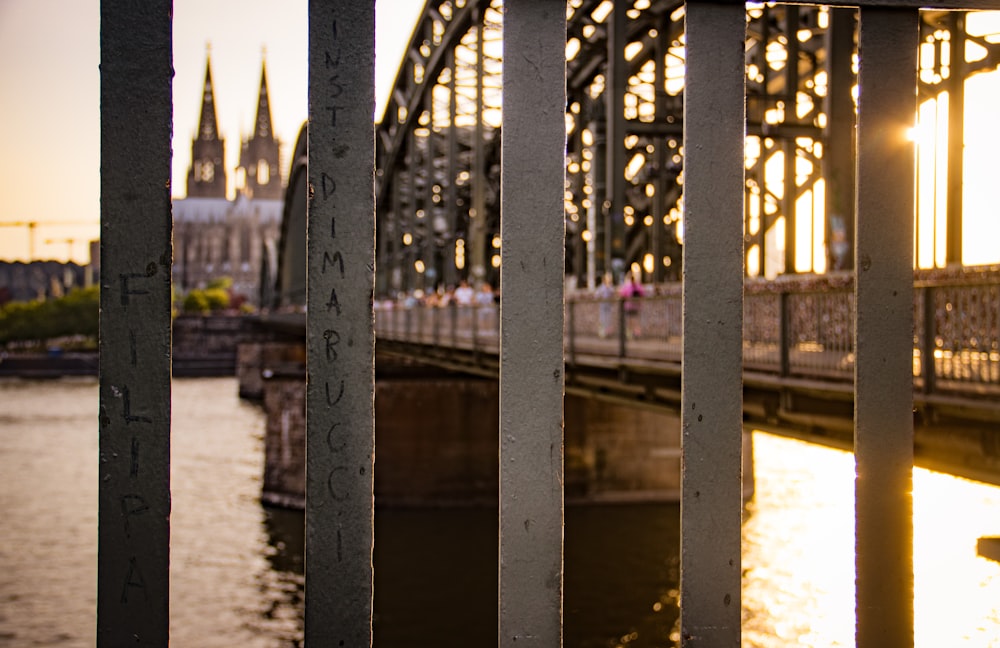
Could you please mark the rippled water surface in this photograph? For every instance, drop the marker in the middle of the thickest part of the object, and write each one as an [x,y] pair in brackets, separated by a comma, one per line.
[798,553]
[236,567]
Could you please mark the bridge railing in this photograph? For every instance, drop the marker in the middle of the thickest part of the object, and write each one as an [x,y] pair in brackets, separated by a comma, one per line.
[788,330]
[958,325]
[800,333]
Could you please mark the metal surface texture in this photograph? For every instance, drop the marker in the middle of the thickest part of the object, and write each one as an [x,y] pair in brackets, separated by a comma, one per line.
[711,415]
[340,386]
[531,324]
[134,494]
[883,422]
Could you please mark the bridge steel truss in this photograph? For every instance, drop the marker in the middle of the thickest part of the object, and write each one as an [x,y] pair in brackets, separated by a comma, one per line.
[438,144]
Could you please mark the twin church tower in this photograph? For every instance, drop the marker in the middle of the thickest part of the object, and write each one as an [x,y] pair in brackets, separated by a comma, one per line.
[215,237]
[258,174]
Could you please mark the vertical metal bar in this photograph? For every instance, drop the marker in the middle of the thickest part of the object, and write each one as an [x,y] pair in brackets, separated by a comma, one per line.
[657,230]
[622,328]
[453,308]
[928,363]
[475,244]
[418,313]
[956,137]
[599,177]
[451,175]
[994,330]
[134,495]
[839,159]
[883,373]
[473,314]
[340,425]
[436,318]
[788,203]
[574,148]
[659,206]
[614,94]
[712,417]
[784,337]
[790,147]
[531,345]
[413,249]
[761,166]
[428,245]
[396,252]
[762,217]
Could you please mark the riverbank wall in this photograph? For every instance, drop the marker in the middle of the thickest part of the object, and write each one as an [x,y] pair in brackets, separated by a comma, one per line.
[48,365]
[203,346]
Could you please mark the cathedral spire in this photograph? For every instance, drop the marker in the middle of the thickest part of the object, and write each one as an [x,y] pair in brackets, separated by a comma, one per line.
[259,172]
[207,174]
[262,125]
[208,126]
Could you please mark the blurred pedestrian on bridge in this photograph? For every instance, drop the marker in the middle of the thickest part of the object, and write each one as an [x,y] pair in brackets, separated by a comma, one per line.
[606,293]
[632,293]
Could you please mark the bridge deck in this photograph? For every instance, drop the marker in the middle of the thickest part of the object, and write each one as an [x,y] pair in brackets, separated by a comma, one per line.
[793,331]
[798,376]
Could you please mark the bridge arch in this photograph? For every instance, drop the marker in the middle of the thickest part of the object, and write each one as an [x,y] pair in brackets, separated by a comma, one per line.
[290,273]
[438,143]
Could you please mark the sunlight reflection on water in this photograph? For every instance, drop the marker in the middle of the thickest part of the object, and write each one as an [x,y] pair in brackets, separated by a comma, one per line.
[798,553]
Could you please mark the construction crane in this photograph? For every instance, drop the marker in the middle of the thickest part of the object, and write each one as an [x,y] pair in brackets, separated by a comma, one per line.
[34,224]
[69,241]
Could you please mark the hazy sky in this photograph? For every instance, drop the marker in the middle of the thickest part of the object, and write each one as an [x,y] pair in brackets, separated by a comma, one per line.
[50,113]
[50,106]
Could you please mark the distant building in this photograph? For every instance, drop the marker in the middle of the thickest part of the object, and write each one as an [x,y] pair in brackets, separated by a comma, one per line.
[20,281]
[213,236]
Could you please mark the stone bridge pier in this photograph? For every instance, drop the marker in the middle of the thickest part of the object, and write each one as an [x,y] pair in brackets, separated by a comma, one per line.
[438,438]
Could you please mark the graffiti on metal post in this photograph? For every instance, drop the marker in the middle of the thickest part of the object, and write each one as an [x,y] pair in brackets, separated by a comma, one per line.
[133,578]
[333,258]
[134,507]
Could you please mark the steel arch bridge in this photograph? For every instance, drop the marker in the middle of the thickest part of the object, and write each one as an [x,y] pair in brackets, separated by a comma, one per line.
[438,143]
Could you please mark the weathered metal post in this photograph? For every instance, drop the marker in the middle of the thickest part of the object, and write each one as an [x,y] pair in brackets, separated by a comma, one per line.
[133,553]
[531,326]
[712,415]
[340,420]
[883,370]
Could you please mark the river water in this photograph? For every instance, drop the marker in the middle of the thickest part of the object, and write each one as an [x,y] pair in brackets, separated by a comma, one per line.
[236,567]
